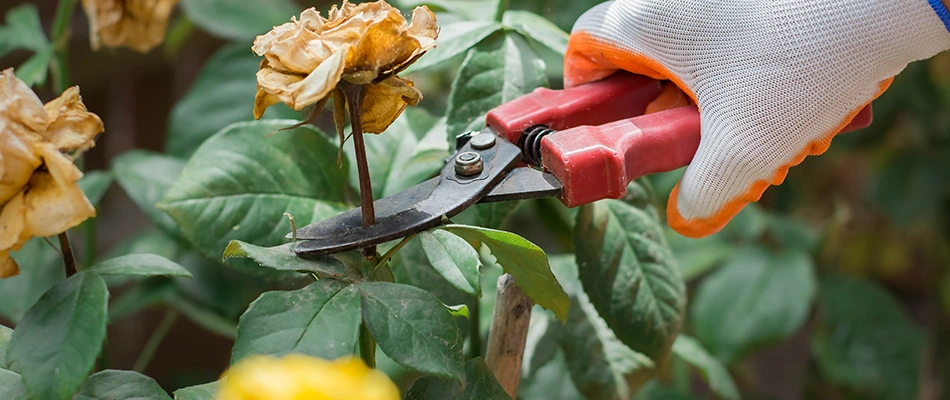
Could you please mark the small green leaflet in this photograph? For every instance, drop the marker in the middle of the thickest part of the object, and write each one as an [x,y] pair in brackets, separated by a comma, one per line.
[116,384]
[23,30]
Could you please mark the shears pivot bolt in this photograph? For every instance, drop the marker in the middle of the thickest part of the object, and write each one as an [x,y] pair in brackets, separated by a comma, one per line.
[468,164]
[482,141]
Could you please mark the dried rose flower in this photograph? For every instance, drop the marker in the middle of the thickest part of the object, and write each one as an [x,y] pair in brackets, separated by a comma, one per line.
[364,44]
[38,190]
[137,24]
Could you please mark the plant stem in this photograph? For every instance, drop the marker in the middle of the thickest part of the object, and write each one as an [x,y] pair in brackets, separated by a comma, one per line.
[67,250]
[502,7]
[59,35]
[367,347]
[389,254]
[158,335]
[475,330]
[354,102]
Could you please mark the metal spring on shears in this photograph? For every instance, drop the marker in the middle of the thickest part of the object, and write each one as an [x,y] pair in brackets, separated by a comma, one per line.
[530,143]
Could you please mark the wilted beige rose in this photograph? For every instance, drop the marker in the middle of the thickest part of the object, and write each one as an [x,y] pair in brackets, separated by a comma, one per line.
[137,24]
[366,44]
[38,192]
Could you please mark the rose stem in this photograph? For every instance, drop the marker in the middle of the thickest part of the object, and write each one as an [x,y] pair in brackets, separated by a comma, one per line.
[68,258]
[354,102]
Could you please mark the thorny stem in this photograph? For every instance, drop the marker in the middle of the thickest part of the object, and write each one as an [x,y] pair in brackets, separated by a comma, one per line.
[354,102]
[367,346]
[59,35]
[158,335]
[67,252]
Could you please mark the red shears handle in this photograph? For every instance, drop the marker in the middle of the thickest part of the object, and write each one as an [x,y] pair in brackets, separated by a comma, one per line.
[604,141]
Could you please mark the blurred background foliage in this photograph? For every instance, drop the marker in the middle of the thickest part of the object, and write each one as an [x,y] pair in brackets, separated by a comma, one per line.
[835,285]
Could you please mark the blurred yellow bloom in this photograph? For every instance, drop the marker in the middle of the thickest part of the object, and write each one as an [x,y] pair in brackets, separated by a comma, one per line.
[365,44]
[137,24]
[38,190]
[300,377]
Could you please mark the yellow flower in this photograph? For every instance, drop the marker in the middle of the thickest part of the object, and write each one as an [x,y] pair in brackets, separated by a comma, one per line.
[366,44]
[38,190]
[138,24]
[300,377]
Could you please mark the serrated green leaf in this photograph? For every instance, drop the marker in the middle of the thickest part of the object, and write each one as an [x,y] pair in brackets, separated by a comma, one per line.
[454,39]
[756,298]
[239,183]
[629,272]
[23,30]
[523,260]
[244,19]
[497,70]
[600,365]
[146,177]
[197,392]
[865,342]
[487,215]
[411,266]
[33,70]
[141,265]
[413,328]
[12,386]
[551,382]
[411,150]
[56,344]
[94,185]
[116,384]
[41,267]
[320,320]
[716,374]
[697,256]
[537,28]
[283,258]
[453,258]
[479,384]
[222,94]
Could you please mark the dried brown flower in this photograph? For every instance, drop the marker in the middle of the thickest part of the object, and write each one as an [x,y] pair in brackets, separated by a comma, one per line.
[366,44]
[137,24]
[38,190]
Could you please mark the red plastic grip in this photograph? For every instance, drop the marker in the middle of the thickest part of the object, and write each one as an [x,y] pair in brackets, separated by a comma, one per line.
[623,95]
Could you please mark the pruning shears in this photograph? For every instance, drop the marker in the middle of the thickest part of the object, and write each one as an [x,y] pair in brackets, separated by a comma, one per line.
[580,144]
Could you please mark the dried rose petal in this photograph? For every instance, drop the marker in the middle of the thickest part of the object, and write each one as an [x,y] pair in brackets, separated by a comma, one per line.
[137,24]
[365,44]
[39,202]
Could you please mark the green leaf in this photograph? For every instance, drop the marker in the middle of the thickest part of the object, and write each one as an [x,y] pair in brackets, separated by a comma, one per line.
[467,9]
[479,384]
[145,177]
[283,258]
[497,70]
[12,386]
[203,317]
[411,150]
[56,344]
[716,374]
[5,335]
[525,261]
[601,366]
[629,272]
[865,342]
[537,28]
[460,310]
[197,392]
[454,39]
[239,183]
[756,298]
[413,328]
[453,258]
[411,266]
[33,70]
[143,294]
[550,382]
[116,384]
[41,267]
[320,320]
[697,256]
[487,215]
[23,30]
[222,94]
[94,185]
[244,19]
[141,265]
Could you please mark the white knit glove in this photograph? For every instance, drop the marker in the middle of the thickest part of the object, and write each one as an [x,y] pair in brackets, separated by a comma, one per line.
[775,80]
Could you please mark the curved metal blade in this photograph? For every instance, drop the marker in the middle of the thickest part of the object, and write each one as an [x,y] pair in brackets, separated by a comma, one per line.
[413,210]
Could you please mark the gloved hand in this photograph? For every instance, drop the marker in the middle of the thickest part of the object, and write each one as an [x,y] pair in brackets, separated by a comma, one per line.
[774,80]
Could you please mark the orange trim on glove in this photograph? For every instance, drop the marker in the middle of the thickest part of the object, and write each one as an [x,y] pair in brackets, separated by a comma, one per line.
[590,59]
